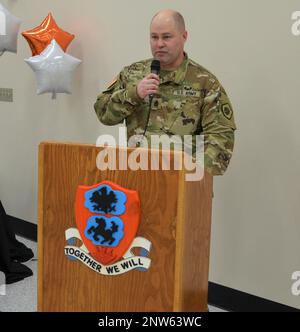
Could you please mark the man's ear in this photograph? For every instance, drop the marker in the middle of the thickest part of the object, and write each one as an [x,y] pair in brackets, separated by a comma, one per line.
[185,35]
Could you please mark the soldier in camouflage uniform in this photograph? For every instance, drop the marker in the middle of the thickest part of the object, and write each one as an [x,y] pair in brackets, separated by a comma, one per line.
[188,99]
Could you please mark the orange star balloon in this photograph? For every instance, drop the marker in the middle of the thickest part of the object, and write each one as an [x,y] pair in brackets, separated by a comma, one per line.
[40,37]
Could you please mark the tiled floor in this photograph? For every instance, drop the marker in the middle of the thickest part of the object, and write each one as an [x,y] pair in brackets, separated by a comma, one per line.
[22,296]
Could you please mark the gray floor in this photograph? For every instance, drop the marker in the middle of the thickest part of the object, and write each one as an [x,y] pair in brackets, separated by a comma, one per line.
[22,296]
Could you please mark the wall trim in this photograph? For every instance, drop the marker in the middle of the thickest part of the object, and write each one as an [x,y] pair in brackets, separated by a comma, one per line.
[219,296]
[237,301]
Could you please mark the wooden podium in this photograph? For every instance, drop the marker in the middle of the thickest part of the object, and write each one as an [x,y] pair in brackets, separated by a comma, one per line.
[175,217]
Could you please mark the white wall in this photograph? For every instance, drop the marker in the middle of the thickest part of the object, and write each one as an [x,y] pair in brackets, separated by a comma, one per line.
[249,46]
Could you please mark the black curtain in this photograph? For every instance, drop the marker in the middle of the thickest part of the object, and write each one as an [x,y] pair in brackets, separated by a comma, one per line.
[12,252]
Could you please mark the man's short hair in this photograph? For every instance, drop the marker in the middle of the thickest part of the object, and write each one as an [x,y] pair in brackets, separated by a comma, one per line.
[178,20]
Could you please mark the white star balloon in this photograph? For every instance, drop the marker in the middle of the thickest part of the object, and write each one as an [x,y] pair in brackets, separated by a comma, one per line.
[9,28]
[53,69]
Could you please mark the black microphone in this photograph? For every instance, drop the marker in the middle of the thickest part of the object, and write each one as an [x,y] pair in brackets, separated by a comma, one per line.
[155,69]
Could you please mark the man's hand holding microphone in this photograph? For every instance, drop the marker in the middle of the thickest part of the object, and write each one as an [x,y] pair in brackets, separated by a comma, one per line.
[148,86]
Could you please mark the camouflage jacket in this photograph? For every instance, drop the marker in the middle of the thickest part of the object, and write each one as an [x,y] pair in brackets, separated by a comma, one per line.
[190,101]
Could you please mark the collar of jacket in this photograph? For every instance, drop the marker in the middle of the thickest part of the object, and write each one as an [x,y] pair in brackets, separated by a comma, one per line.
[177,76]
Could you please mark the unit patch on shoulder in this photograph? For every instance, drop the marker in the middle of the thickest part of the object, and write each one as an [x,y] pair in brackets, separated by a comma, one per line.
[112,83]
[227,111]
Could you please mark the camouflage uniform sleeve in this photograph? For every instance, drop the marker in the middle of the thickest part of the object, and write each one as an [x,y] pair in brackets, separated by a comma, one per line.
[117,102]
[218,128]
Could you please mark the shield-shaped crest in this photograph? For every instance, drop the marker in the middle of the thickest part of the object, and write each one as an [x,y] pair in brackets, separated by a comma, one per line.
[107,217]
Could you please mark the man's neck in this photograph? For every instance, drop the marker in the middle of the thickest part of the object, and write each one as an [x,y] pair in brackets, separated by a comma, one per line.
[175,65]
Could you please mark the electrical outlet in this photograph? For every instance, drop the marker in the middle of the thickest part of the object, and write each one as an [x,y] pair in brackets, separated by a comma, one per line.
[6,94]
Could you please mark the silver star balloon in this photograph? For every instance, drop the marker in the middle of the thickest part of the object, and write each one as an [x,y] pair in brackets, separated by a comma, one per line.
[9,28]
[53,69]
